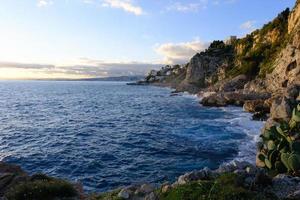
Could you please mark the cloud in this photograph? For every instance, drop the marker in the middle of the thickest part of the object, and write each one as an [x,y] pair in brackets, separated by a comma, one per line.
[44,3]
[196,5]
[248,25]
[179,53]
[25,66]
[88,1]
[125,5]
[187,7]
[86,67]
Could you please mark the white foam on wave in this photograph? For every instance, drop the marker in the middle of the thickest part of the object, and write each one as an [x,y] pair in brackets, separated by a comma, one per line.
[243,122]
[192,96]
[4,155]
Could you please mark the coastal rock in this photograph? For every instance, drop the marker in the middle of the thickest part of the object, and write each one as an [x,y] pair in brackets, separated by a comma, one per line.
[251,169]
[9,168]
[237,98]
[234,84]
[10,175]
[146,188]
[295,195]
[284,185]
[281,109]
[233,166]
[151,196]
[256,106]
[204,174]
[286,67]
[124,193]
[260,116]
[166,188]
[261,179]
[294,17]
[292,92]
[240,164]
[216,100]
[255,86]
[207,67]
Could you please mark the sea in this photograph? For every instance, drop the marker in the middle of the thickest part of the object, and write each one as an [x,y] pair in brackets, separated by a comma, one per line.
[109,134]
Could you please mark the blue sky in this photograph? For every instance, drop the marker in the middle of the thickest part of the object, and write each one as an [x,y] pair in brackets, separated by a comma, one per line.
[89,38]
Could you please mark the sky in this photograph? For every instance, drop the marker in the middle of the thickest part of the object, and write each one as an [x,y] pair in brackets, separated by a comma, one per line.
[100,38]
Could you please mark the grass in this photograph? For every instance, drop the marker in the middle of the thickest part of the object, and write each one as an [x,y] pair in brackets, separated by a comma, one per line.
[225,187]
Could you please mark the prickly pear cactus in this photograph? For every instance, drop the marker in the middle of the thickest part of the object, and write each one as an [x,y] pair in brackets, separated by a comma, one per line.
[280,148]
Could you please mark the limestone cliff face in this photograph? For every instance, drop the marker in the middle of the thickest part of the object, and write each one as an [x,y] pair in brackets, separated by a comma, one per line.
[294,18]
[202,71]
[207,68]
[287,65]
[268,59]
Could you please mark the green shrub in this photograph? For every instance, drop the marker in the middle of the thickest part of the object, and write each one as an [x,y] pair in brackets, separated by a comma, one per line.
[280,150]
[42,190]
[226,187]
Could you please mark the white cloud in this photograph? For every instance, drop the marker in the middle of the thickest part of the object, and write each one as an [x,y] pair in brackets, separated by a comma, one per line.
[125,5]
[196,5]
[88,1]
[188,7]
[83,68]
[44,3]
[248,25]
[178,53]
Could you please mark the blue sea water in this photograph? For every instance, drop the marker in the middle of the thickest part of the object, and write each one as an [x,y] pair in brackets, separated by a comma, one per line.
[109,134]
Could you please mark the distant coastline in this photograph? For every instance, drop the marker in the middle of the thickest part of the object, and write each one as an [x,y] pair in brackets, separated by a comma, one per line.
[113,78]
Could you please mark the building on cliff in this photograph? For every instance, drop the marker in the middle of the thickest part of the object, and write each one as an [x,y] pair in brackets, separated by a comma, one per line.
[230,40]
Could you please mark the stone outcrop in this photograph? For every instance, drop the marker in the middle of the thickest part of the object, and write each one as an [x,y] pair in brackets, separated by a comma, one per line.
[287,65]
[237,98]
[202,71]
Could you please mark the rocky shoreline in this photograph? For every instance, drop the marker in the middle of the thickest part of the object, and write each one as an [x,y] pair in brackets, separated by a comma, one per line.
[242,180]
[260,72]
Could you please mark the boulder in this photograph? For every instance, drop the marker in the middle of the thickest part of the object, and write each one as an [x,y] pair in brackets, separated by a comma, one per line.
[10,175]
[124,193]
[260,116]
[257,86]
[236,98]
[204,174]
[284,185]
[146,188]
[281,109]
[9,168]
[215,100]
[261,179]
[166,188]
[151,196]
[234,84]
[256,106]
[234,166]
[295,195]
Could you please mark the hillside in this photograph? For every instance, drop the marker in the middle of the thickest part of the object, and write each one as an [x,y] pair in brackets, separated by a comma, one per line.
[255,71]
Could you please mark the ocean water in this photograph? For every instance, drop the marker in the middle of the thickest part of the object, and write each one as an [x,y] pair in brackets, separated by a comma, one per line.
[109,134]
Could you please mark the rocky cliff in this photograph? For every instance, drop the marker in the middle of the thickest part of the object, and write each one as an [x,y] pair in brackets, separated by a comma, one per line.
[260,72]
[256,71]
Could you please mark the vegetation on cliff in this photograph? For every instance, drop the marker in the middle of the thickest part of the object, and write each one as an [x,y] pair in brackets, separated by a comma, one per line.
[256,52]
[253,56]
